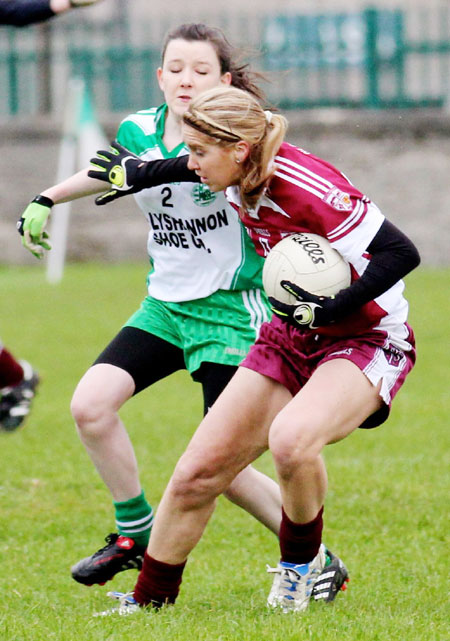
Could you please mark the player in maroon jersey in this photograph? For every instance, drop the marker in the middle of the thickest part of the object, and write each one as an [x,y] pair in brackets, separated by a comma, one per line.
[319,370]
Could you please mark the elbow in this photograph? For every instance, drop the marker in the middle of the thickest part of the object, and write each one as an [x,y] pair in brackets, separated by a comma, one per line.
[411,260]
[414,258]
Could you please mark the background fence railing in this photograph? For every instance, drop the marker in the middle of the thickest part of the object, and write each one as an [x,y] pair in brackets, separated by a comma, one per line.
[374,58]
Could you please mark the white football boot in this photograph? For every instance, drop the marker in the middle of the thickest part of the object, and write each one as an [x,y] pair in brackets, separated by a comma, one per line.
[293,583]
[127,604]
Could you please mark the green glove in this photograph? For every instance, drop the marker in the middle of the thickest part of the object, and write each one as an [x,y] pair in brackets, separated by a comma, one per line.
[31,225]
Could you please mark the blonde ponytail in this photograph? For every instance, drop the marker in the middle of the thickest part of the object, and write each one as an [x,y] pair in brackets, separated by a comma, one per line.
[259,165]
[228,115]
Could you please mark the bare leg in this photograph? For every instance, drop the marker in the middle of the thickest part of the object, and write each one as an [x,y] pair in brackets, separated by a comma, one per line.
[233,433]
[95,404]
[99,395]
[251,412]
[259,495]
[333,403]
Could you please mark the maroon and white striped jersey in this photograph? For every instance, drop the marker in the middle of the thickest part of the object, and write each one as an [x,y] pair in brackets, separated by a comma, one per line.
[307,194]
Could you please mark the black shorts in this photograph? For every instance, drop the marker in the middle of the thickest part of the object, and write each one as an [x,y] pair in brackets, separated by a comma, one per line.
[148,359]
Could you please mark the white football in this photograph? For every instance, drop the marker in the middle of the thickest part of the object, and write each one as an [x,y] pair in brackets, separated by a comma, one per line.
[308,260]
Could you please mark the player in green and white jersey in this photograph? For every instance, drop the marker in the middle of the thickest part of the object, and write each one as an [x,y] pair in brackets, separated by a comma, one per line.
[196,244]
[204,303]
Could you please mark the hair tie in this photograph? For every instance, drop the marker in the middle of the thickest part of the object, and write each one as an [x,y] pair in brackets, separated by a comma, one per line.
[268,115]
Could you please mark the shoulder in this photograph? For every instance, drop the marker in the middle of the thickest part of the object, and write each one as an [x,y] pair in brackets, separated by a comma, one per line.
[304,173]
[295,162]
[298,172]
[144,121]
[137,131]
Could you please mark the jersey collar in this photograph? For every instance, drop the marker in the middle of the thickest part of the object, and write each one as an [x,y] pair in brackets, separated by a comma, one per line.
[233,196]
[160,124]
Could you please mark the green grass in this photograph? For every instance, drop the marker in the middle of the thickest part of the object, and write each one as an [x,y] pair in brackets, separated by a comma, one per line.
[385,514]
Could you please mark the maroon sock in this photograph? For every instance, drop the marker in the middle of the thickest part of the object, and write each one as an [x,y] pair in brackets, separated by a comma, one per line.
[11,372]
[158,583]
[300,542]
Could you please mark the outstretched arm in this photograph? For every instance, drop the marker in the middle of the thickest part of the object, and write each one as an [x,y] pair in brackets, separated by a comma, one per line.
[77,186]
[127,173]
[31,225]
[20,13]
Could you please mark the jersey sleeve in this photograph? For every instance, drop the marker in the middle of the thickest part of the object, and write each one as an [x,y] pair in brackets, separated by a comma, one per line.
[352,237]
[129,134]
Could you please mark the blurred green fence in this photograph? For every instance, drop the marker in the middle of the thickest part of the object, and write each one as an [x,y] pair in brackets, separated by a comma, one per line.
[375,58]
[361,59]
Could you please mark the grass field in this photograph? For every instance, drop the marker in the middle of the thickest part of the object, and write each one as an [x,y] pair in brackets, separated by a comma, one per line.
[386,511]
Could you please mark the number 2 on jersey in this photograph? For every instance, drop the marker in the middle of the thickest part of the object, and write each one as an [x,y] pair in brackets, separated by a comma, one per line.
[167,195]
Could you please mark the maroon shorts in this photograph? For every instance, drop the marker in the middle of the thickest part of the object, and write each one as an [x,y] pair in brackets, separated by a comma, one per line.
[290,357]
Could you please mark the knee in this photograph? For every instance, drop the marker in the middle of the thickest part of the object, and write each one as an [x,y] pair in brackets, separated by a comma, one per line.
[293,444]
[88,412]
[193,484]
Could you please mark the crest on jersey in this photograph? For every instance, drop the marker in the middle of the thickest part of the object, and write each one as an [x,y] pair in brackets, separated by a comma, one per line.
[338,199]
[202,196]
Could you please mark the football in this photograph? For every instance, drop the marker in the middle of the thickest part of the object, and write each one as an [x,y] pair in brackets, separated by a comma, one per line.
[309,261]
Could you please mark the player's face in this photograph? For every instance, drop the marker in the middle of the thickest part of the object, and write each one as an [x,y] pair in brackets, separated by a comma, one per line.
[216,165]
[189,67]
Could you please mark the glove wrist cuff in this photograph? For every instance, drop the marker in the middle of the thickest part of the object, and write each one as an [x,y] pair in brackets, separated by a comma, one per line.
[43,200]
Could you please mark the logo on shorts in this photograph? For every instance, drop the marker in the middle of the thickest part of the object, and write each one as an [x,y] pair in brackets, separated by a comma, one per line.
[394,356]
[235,351]
[338,199]
[347,351]
[202,196]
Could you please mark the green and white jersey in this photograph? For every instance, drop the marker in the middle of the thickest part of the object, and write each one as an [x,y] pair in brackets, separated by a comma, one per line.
[196,243]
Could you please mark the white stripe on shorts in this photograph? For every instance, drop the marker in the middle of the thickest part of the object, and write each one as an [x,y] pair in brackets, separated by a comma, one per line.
[380,369]
[254,305]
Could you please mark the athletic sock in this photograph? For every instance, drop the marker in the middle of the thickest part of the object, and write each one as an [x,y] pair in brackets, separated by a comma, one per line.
[134,518]
[300,542]
[11,372]
[158,583]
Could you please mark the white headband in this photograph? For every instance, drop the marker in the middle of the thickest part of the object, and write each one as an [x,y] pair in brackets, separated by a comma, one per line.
[268,115]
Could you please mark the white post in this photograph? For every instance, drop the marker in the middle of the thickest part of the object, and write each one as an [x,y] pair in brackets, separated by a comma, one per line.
[67,164]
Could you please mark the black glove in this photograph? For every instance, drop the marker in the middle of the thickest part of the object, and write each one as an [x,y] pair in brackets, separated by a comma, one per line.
[120,168]
[311,311]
